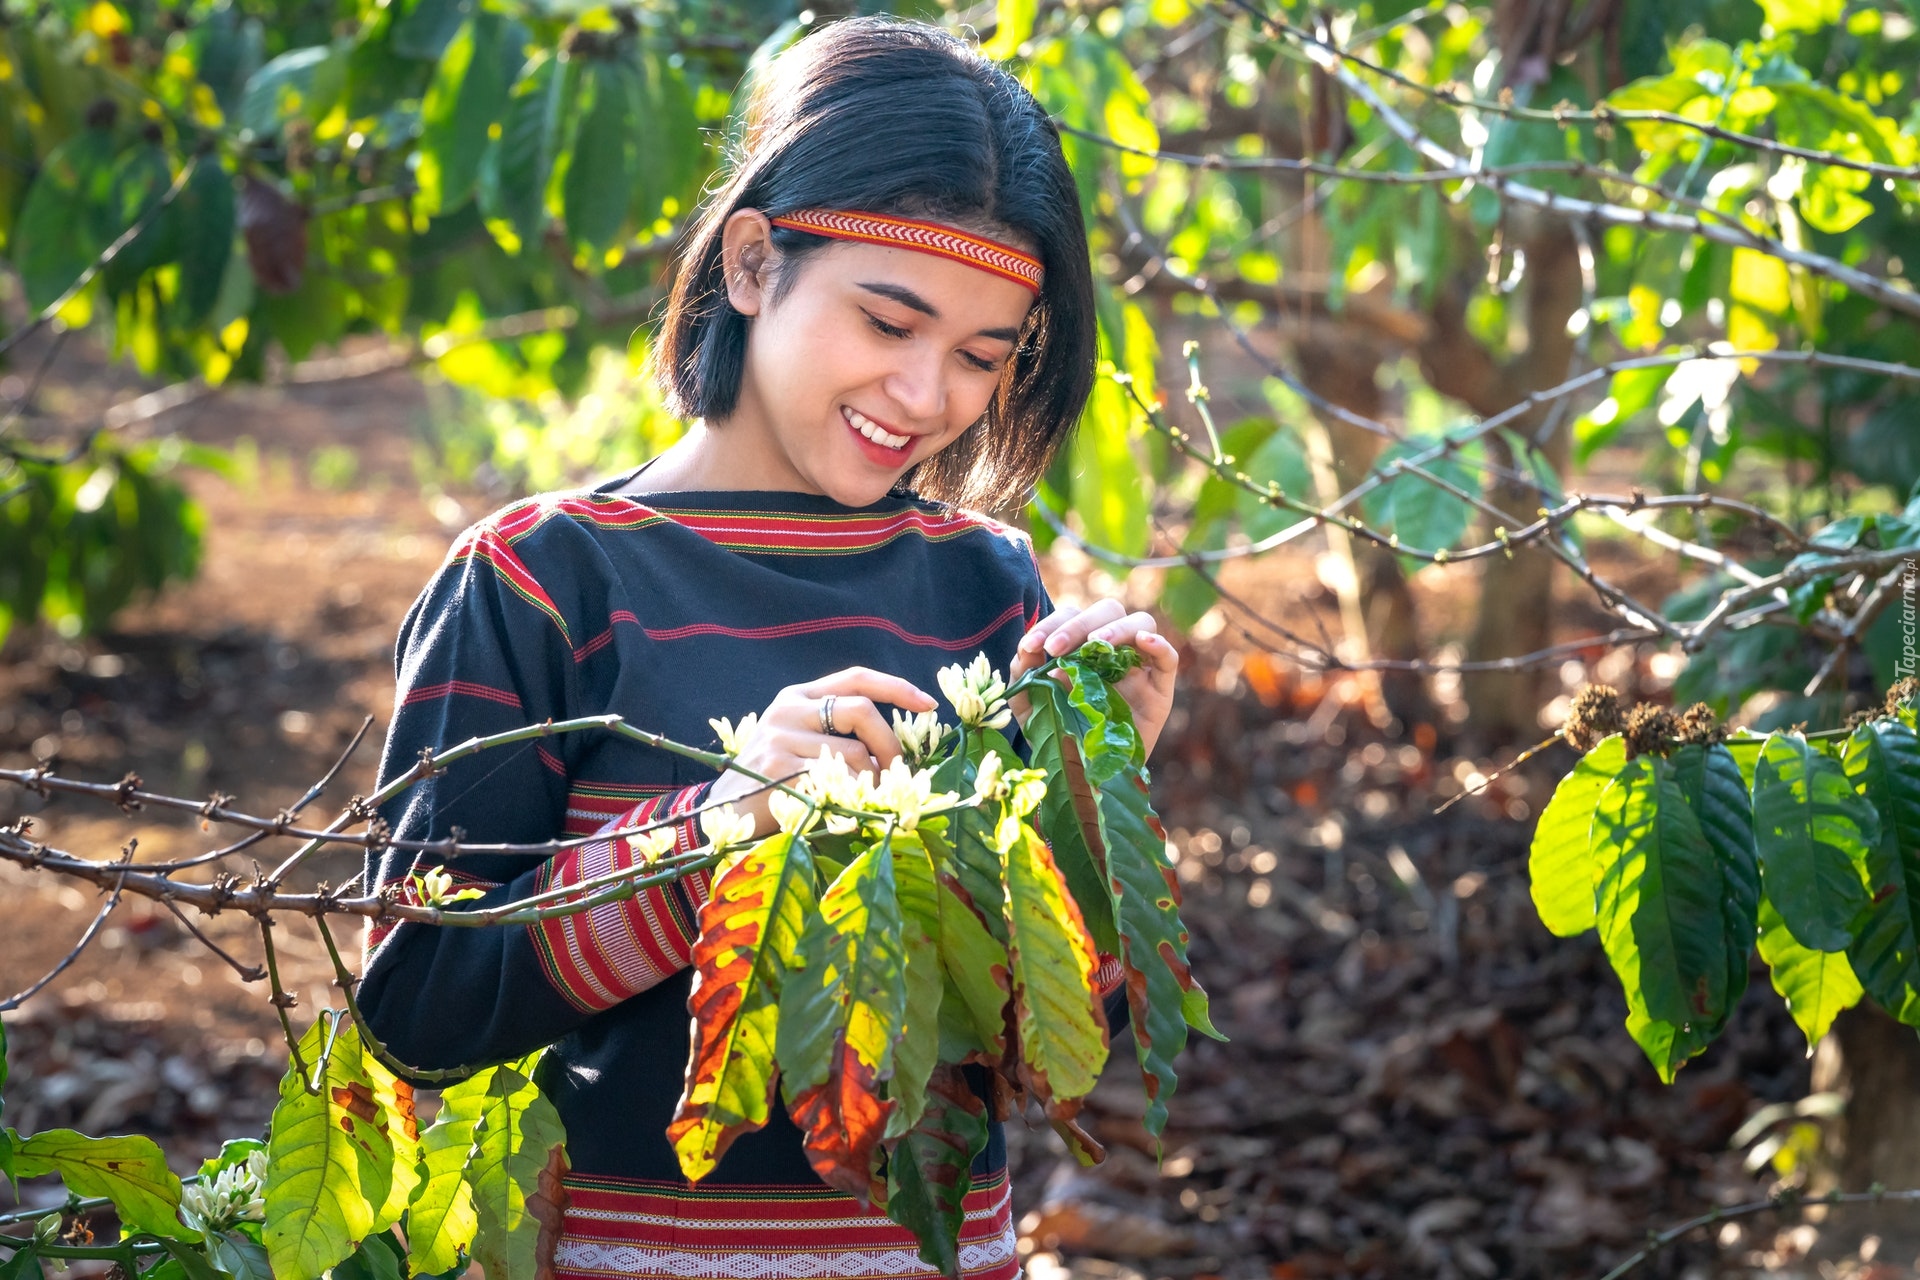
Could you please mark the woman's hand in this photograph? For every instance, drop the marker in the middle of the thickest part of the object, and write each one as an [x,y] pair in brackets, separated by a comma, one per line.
[788,734]
[1148,688]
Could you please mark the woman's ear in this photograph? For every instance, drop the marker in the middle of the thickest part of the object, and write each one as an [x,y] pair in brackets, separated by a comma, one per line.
[746,255]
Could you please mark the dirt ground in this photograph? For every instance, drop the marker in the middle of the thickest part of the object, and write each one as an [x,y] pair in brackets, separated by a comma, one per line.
[1420,1081]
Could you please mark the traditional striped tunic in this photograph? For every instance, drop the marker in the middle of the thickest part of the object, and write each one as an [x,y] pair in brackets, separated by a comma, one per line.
[666,612]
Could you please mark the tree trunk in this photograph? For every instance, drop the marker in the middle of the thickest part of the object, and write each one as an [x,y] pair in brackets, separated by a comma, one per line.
[1873,1062]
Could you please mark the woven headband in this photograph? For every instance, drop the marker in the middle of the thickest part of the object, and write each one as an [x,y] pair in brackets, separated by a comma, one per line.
[922,237]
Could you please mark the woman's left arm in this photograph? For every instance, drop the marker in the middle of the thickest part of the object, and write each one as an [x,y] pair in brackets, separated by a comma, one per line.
[1148,688]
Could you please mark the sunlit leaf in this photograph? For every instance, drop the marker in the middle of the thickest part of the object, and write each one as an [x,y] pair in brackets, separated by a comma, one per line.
[132,1172]
[514,1140]
[1816,985]
[1063,1039]
[330,1160]
[1815,834]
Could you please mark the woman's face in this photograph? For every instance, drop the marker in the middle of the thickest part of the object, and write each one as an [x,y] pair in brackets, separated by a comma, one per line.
[872,360]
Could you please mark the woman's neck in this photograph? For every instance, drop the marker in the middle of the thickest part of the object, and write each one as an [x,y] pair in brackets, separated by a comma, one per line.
[709,459]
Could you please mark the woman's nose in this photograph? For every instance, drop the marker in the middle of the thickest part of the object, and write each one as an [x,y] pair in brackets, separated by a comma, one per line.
[917,386]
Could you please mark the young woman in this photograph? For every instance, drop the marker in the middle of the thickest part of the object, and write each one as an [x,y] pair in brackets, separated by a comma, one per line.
[883,317]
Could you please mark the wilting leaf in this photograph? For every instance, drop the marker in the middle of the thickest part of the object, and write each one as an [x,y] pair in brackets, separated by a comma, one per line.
[329,1158]
[1063,1037]
[928,1174]
[840,1017]
[750,931]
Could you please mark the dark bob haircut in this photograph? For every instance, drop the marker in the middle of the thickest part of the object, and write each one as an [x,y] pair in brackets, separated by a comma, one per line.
[901,118]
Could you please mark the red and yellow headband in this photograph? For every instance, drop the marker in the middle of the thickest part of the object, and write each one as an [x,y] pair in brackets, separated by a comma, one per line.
[923,237]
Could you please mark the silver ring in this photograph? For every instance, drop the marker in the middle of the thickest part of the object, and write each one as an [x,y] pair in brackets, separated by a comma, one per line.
[826,717]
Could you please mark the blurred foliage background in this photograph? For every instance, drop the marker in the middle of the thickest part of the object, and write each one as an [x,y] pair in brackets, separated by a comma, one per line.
[1387,225]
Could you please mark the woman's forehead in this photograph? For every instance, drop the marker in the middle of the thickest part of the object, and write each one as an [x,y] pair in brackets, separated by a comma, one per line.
[947,292]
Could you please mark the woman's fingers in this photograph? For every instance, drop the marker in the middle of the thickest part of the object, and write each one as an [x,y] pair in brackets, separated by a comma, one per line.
[857,718]
[865,682]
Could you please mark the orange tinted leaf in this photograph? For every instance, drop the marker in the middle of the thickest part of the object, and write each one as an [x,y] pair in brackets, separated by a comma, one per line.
[749,930]
[1063,1034]
[840,1018]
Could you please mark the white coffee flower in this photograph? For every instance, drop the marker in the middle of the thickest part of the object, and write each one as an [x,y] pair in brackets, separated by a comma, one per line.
[907,793]
[1025,789]
[986,781]
[978,694]
[726,827]
[235,1195]
[829,782]
[920,735]
[655,844]
[734,737]
[795,814]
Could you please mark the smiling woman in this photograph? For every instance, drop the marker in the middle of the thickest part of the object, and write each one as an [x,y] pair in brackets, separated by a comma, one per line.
[884,317]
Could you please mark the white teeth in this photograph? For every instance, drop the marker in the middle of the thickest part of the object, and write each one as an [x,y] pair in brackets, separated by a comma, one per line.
[865,426]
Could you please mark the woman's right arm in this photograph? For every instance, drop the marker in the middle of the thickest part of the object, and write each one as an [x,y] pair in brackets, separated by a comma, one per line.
[486,649]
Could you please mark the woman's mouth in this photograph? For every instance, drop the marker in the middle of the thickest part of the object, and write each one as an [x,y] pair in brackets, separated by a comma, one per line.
[876,441]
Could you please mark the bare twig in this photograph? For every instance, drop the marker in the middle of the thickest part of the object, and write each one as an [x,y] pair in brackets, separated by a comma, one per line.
[1784,1201]
[100,918]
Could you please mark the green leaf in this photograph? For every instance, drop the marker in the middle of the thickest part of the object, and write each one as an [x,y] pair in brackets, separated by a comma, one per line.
[1801,15]
[514,1140]
[379,1257]
[1713,785]
[395,1097]
[517,169]
[467,96]
[25,1265]
[1883,761]
[142,178]
[750,930]
[204,221]
[1012,25]
[330,1161]
[192,1262]
[1562,867]
[1280,460]
[1069,815]
[1816,985]
[1660,890]
[441,1220]
[65,222]
[132,1172]
[977,968]
[919,1045]
[300,82]
[1815,833]
[840,1017]
[1421,514]
[929,1171]
[233,1254]
[598,185]
[1108,497]
[1063,1037]
[969,851]
[428,27]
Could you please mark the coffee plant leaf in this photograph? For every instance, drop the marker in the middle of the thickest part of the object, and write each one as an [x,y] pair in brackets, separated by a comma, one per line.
[1069,815]
[468,96]
[379,1257]
[395,1097]
[840,1017]
[929,1170]
[750,931]
[978,975]
[1882,759]
[1561,866]
[517,167]
[130,1171]
[514,1138]
[1711,781]
[234,1254]
[597,184]
[193,1263]
[1659,904]
[442,1220]
[1667,1047]
[329,1156]
[919,1045]
[1815,832]
[1816,985]
[1062,1029]
[967,848]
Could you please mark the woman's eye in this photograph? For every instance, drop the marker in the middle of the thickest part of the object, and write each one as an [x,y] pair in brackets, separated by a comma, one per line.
[981,363]
[891,330]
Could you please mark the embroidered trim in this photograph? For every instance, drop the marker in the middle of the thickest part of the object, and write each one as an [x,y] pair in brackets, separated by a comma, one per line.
[643,1231]
[922,237]
[598,957]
